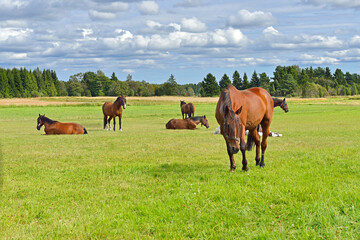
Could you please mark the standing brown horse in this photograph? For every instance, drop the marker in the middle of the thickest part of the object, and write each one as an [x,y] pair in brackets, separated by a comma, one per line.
[237,111]
[112,110]
[187,109]
[55,127]
[188,123]
[281,103]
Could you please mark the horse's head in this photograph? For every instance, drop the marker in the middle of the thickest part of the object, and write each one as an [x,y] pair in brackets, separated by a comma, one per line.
[204,122]
[182,103]
[122,101]
[284,106]
[232,128]
[40,122]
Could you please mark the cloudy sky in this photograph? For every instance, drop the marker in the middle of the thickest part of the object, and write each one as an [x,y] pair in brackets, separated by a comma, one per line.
[187,38]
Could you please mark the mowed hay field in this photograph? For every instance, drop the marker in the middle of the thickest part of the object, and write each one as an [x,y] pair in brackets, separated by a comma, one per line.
[148,182]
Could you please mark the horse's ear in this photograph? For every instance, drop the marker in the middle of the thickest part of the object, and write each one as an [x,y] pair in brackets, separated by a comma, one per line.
[284,100]
[238,111]
[39,114]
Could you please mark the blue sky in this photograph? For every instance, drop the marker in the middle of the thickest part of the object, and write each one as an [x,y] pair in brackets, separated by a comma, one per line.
[187,38]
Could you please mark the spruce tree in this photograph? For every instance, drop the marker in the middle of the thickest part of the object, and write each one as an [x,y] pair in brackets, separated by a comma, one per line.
[224,82]
[237,82]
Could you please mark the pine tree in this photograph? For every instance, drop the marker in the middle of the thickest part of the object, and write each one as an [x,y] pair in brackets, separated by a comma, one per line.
[246,83]
[224,82]
[237,82]
[210,86]
[4,84]
[255,80]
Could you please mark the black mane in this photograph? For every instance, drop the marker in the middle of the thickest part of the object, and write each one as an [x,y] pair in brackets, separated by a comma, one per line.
[226,100]
[197,118]
[47,120]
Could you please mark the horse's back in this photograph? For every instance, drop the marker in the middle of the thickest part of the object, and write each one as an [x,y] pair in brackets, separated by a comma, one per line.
[70,128]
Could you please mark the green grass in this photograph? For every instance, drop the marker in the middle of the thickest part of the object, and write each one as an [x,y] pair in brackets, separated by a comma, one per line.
[148,182]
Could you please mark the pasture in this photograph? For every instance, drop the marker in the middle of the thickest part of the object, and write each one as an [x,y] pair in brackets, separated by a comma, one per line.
[149,182]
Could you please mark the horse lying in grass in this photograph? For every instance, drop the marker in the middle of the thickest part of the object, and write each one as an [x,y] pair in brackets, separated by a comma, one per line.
[55,127]
[188,123]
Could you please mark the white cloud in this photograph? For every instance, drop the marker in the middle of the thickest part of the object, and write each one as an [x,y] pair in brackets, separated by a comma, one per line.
[271,31]
[311,59]
[192,25]
[148,7]
[334,3]
[355,41]
[244,18]
[14,34]
[101,15]
[229,36]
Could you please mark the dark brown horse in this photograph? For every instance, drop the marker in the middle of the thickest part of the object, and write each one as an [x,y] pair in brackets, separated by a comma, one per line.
[187,109]
[112,110]
[55,127]
[237,111]
[281,103]
[188,123]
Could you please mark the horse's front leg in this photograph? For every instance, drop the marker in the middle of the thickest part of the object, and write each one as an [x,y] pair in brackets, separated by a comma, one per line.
[243,148]
[256,138]
[231,157]
[120,124]
[109,123]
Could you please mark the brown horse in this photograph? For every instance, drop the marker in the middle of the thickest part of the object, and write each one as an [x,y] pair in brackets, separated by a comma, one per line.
[281,103]
[188,123]
[237,111]
[187,109]
[55,127]
[112,110]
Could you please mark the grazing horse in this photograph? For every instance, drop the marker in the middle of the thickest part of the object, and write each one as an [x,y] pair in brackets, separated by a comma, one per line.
[187,109]
[55,127]
[112,110]
[188,123]
[237,111]
[281,103]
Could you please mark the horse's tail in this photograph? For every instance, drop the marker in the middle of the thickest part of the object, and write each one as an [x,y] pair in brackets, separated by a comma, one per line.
[250,140]
[85,132]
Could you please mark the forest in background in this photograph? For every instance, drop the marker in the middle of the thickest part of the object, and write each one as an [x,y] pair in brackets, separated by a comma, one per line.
[289,81]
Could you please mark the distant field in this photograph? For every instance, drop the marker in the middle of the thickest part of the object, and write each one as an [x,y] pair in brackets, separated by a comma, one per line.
[148,182]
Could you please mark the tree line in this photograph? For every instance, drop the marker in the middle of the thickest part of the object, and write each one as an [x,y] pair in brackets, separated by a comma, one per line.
[286,81]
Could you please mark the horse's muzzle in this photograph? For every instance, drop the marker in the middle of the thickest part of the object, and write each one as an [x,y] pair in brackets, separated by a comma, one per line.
[233,150]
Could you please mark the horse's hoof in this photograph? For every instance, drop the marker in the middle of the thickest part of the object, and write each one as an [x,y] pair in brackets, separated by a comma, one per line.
[120,130]
[245,169]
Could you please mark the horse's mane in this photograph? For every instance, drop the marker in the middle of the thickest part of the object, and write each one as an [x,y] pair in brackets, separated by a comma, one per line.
[225,98]
[197,118]
[277,102]
[47,120]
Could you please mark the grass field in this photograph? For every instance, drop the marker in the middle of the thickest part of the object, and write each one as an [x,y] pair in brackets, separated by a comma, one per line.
[148,182]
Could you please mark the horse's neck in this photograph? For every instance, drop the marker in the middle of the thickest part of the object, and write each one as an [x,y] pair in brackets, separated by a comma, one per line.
[277,102]
[117,105]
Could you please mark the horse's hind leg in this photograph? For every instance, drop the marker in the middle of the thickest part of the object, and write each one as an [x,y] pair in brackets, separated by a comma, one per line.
[265,127]
[114,123]
[105,121]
